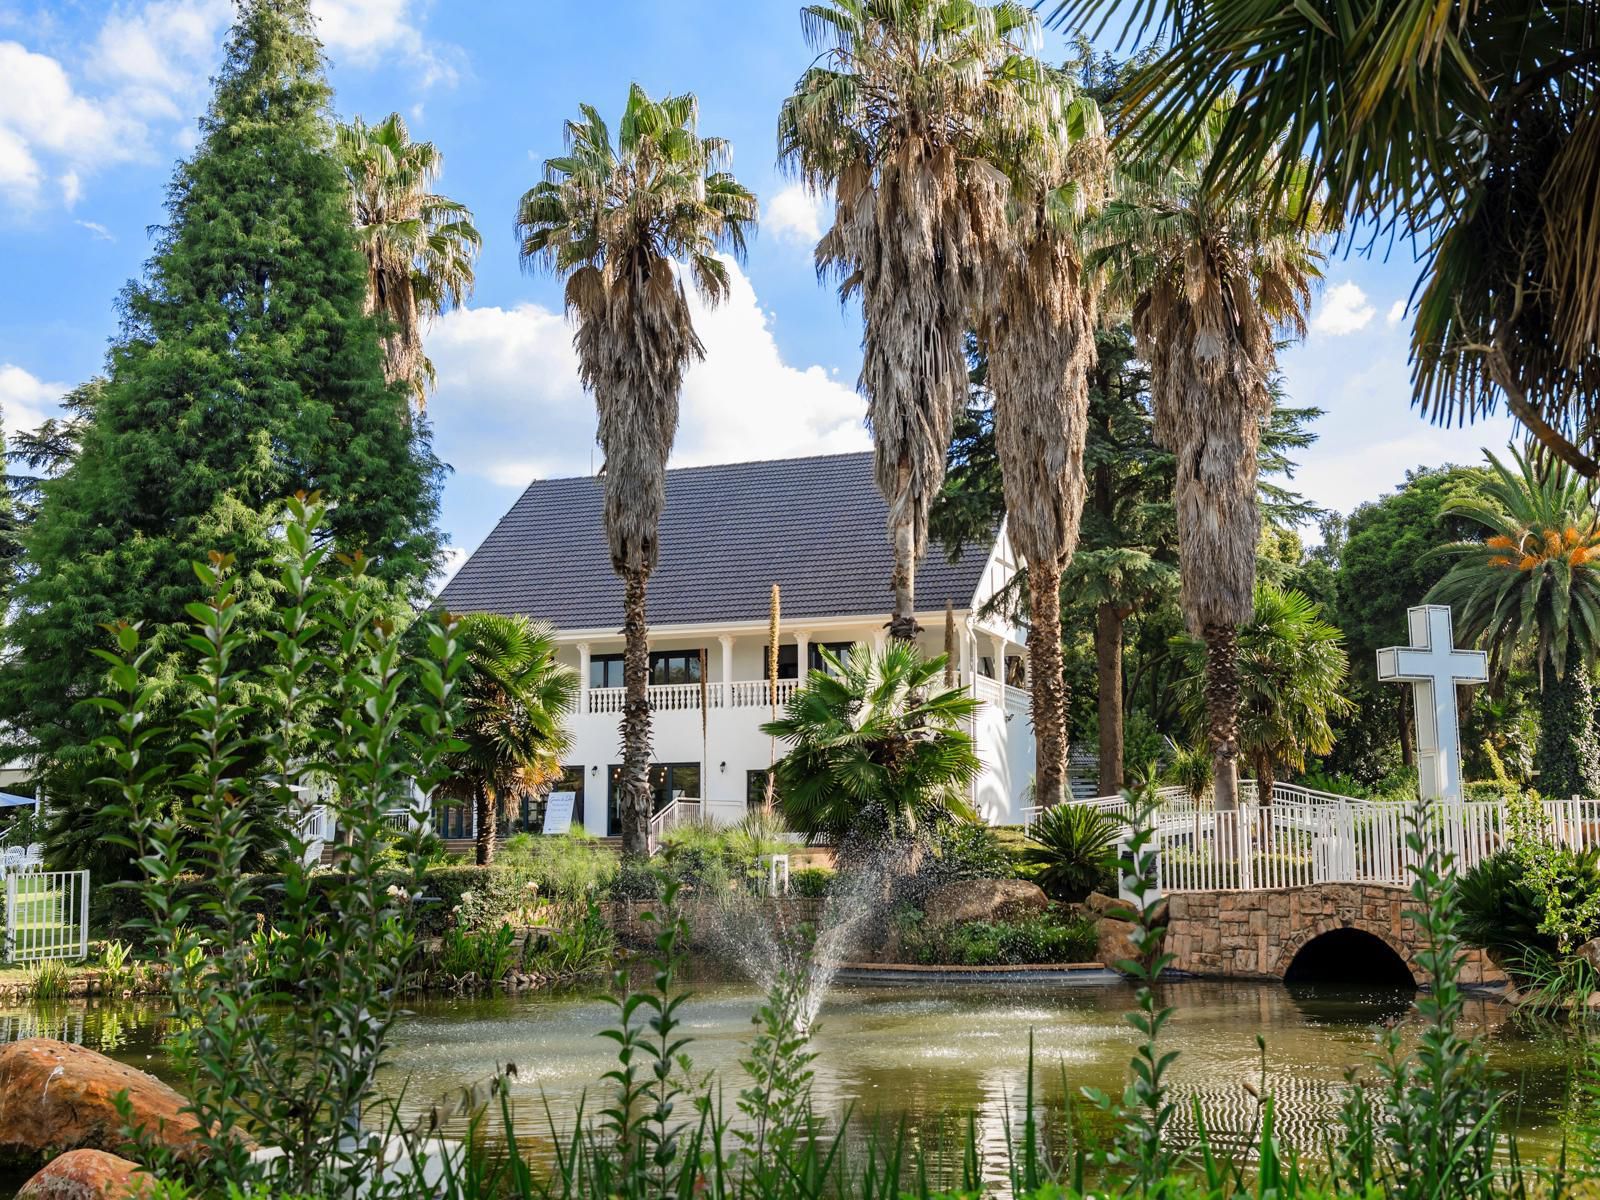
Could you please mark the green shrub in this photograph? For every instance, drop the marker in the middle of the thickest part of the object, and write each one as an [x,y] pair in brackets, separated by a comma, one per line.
[1050,937]
[1501,910]
[482,955]
[811,881]
[1072,849]
[580,943]
[966,850]
[567,866]
[635,881]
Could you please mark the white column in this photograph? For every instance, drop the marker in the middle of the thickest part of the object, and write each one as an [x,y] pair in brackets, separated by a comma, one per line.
[999,644]
[727,656]
[583,677]
[968,651]
[880,638]
[802,641]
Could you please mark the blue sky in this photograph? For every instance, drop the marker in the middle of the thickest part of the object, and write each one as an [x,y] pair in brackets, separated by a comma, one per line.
[100,99]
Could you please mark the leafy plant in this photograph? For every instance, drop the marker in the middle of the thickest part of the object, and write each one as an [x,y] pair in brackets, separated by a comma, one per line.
[117,971]
[1072,849]
[580,943]
[563,867]
[49,979]
[875,755]
[483,957]
[1046,938]
[960,850]
[1188,766]
[370,743]
[811,882]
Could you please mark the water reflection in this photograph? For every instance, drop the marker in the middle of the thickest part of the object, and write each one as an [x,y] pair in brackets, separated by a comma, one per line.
[937,1057]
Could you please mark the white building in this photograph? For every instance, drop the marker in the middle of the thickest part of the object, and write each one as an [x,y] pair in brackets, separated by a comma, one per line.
[815,527]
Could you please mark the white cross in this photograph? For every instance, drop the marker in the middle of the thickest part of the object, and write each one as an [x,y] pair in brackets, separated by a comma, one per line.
[1433,666]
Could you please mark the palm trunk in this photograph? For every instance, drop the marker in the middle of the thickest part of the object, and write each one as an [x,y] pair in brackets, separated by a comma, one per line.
[1222,713]
[634,801]
[1566,756]
[903,621]
[1266,776]
[1108,676]
[1049,683]
[486,815]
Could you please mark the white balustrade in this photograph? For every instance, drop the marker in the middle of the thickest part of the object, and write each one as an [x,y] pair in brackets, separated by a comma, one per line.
[686,697]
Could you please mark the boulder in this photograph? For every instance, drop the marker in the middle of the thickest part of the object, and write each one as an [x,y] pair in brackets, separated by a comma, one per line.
[1098,904]
[57,1096]
[1114,941]
[984,900]
[1589,952]
[86,1175]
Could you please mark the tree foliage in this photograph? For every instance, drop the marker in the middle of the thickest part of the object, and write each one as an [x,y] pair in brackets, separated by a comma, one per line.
[246,371]
[873,755]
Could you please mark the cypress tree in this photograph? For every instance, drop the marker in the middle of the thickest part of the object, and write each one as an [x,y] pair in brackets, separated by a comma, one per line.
[245,371]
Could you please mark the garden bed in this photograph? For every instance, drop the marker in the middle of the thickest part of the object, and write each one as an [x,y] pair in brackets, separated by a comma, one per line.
[913,974]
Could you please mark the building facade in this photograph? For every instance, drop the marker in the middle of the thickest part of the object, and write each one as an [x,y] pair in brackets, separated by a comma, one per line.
[813,526]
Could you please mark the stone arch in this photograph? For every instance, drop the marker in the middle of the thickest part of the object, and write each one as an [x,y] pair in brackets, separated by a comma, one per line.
[1290,947]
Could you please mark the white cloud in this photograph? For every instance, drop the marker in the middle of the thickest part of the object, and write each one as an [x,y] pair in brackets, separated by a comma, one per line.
[509,407]
[1344,309]
[1396,314]
[794,215]
[25,399]
[454,556]
[144,77]
[100,232]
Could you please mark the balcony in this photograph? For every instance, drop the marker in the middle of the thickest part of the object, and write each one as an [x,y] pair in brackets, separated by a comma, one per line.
[686,697]
[757,694]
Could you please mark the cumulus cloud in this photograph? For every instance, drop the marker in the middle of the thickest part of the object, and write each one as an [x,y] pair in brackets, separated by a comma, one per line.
[509,407]
[25,399]
[794,215]
[1344,309]
[143,78]
[1396,314]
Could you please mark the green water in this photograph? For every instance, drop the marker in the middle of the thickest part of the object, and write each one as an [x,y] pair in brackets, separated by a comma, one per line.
[934,1054]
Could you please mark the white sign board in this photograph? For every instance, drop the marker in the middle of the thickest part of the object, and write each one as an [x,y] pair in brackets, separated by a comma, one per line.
[558,812]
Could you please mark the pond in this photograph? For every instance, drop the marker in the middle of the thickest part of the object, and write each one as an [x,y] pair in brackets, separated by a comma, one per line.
[936,1055]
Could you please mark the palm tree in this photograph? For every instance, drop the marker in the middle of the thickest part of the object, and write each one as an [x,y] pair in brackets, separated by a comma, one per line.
[891,120]
[1471,128]
[1533,582]
[873,756]
[515,698]
[420,246]
[1036,324]
[616,222]
[1211,277]
[1292,669]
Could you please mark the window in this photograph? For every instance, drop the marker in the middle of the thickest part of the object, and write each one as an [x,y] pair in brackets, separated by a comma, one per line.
[452,820]
[755,790]
[789,656]
[666,666]
[668,781]
[675,666]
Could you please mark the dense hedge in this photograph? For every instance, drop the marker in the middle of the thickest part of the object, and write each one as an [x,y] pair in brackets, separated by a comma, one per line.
[496,893]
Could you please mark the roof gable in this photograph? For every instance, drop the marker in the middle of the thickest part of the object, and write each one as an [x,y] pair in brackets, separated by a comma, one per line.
[815,526]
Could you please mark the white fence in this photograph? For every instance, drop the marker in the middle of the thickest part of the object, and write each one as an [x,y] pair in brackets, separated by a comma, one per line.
[1286,845]
[46,915]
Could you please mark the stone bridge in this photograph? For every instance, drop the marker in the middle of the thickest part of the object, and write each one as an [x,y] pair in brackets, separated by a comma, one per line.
[1324,932]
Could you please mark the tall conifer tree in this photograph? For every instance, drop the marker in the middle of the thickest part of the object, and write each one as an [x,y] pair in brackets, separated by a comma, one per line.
[245,371]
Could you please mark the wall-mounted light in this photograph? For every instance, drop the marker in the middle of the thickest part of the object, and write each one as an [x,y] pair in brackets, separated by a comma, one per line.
[723,767]
[594,770]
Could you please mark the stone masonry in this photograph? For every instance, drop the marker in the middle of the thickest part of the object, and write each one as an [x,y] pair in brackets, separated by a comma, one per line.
[1255,935]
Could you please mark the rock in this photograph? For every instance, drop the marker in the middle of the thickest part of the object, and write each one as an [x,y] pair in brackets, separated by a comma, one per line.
[1589,952]
[1114,941]
[1098,904]
[86,1175]
[56,1096]
[984,900]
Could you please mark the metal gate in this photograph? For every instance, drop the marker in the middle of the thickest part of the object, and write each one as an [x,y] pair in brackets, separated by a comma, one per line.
[46,915]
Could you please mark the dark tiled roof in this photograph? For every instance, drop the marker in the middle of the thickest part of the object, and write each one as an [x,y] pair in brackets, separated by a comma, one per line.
[814,526]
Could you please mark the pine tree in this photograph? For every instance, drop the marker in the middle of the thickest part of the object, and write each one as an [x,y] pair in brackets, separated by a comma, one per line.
[245,371]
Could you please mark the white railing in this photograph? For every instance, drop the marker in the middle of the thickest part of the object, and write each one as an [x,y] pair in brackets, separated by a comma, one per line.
[686,697]
[757,693]
[682,811]
[1286,845]
[46,915]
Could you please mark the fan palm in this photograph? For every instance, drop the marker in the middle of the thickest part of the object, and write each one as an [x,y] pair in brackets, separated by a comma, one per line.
[616,221]
[873,757]
[1533,583]
[1036,323]
[891,120]
[515,699]
[1473,128]
[1073,847]
[420,247]
[1292,669]
[1211,278]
